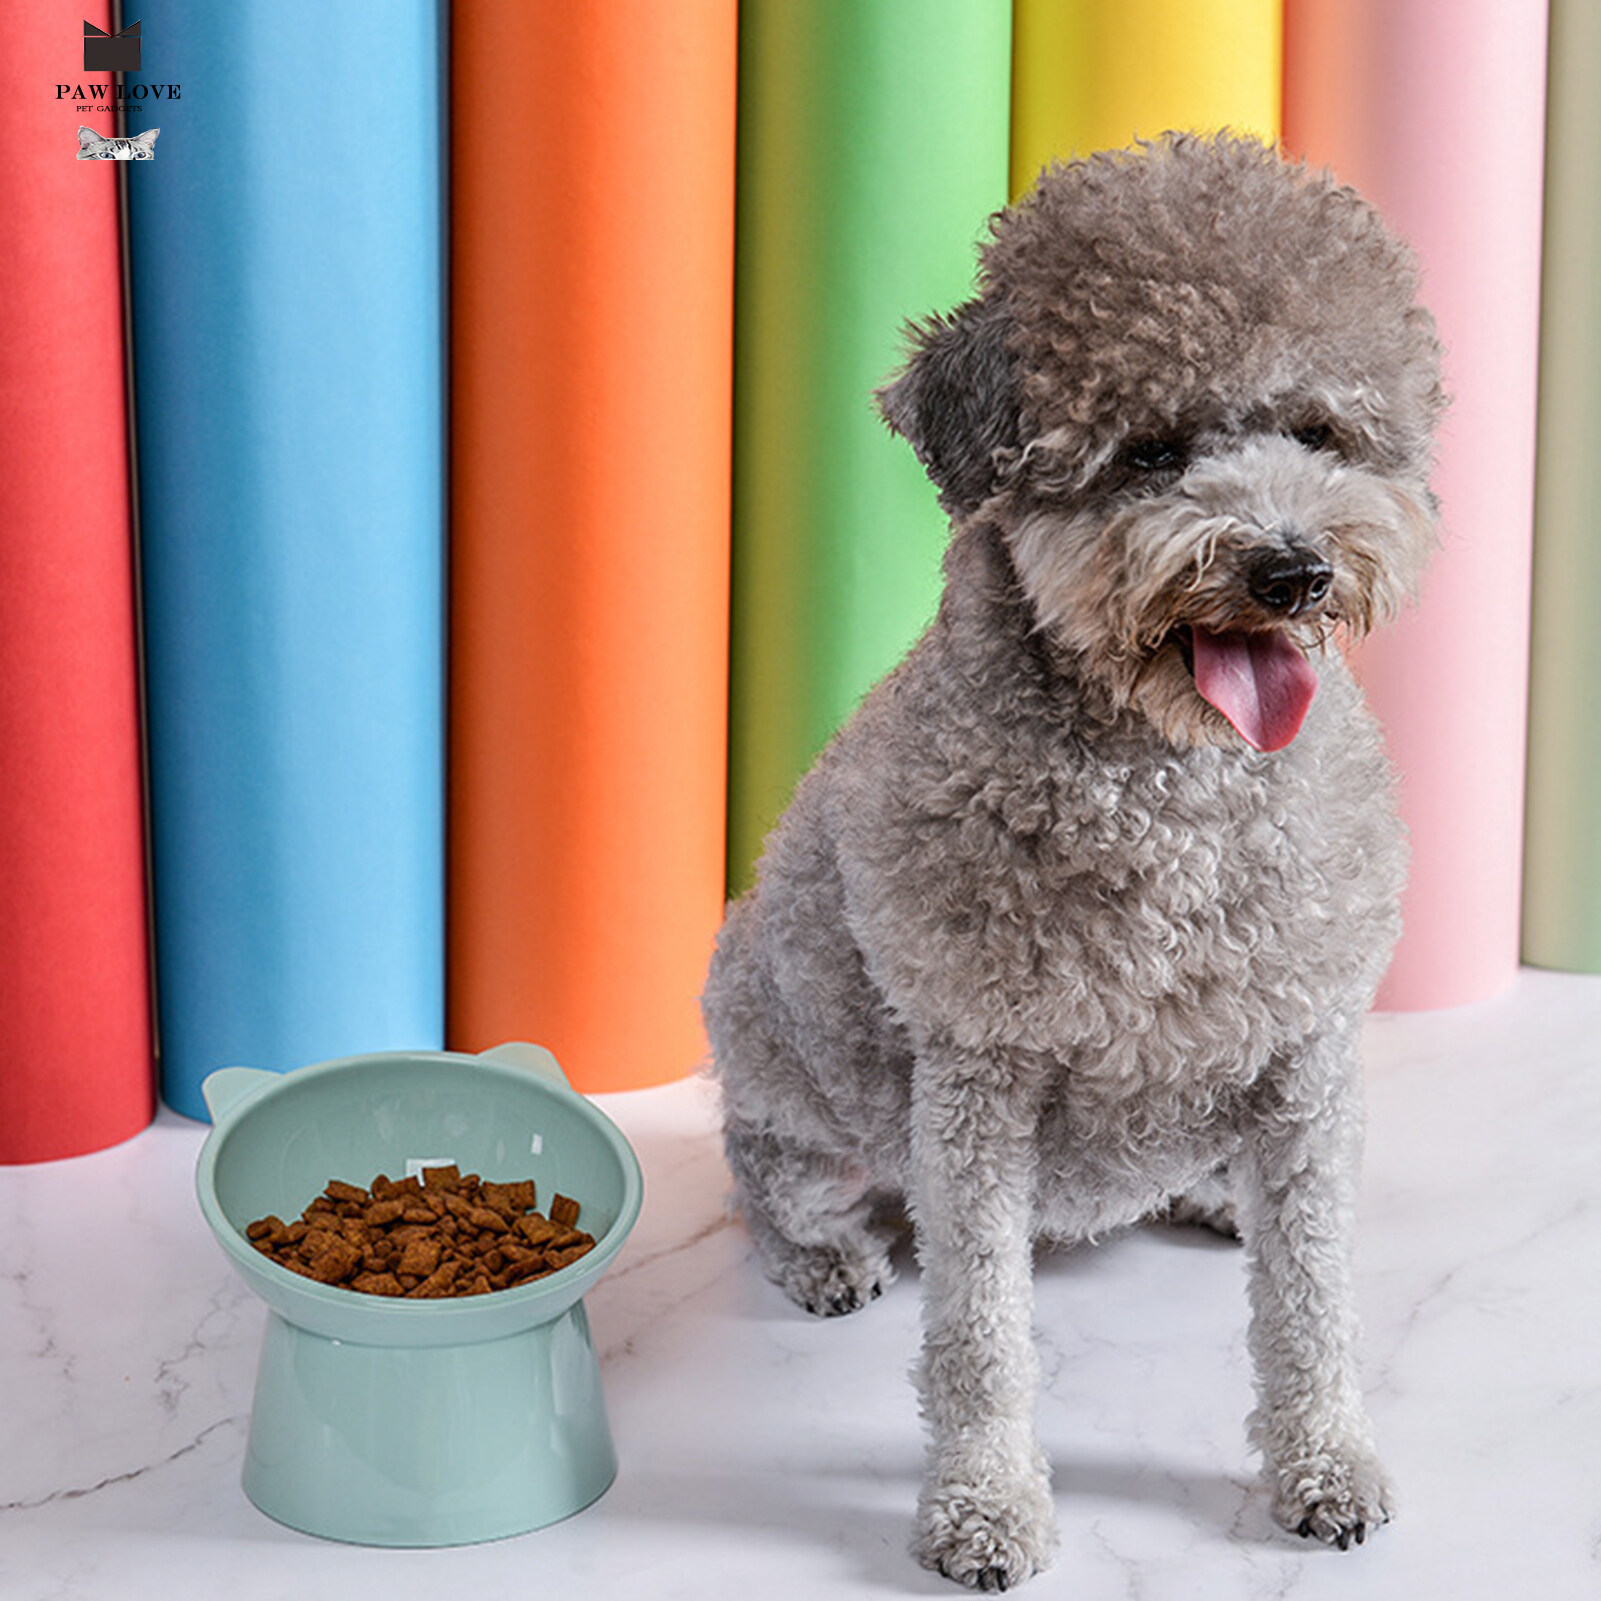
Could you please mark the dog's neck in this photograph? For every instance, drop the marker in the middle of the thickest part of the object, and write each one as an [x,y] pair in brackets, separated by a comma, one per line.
[986,619]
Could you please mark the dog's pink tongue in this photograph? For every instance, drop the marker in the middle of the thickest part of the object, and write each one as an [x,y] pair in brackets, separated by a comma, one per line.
[1260,682]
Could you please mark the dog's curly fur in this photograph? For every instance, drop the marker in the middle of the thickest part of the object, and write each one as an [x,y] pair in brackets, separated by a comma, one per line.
[1042,946]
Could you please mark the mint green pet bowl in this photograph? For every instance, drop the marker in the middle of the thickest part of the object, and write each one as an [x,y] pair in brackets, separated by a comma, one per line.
[419,1423]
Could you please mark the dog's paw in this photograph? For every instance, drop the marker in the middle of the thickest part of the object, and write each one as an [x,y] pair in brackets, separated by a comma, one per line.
[829,1282]
[1216,1216]
[989,1538]
[1339,1500]
[1207,1204]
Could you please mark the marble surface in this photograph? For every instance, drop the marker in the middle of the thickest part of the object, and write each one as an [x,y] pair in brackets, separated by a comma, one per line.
[762,1451]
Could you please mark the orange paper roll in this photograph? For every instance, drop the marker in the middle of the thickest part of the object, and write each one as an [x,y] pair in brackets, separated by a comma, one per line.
[1435,109]
[76,1071]
[592,326]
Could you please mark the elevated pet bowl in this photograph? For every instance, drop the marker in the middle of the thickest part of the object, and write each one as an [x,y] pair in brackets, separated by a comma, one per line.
[419,1423]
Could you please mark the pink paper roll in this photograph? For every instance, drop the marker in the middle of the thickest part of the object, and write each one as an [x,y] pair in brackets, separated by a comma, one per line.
[1435,110]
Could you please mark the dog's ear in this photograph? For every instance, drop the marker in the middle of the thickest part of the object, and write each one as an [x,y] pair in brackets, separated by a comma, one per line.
[956,400]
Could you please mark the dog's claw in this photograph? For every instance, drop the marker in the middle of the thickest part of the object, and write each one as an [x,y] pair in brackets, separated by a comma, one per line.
[842,1301]
[986,1579]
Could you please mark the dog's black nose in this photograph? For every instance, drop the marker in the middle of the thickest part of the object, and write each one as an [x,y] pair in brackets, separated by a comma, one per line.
[1289,584]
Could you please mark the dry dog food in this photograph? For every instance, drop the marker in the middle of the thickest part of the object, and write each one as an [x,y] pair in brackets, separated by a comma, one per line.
[441,1235]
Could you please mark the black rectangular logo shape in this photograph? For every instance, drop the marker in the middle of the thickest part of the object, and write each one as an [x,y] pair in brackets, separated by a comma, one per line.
[110,52]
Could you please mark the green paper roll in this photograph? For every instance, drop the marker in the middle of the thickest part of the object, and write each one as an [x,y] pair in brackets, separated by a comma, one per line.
[1562,840]
[873,147]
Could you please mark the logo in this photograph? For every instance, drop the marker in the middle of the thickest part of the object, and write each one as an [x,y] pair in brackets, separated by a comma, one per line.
[110,52]
[92,147]
[115,55]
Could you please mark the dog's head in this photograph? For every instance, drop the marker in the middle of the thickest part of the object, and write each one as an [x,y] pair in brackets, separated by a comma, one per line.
[1197,396]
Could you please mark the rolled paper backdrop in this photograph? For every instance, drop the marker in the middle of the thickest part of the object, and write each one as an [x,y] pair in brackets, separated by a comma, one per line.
[1091,75]
[286,276]
[76,1069]
[592,329]
[1434,109]
[873,147]
[1562,849]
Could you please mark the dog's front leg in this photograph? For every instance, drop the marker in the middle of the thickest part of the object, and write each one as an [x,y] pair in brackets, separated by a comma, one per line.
[1298,1173]
[985,1517]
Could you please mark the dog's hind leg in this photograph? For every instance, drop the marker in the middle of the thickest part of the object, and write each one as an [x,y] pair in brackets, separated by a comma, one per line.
[813,1216]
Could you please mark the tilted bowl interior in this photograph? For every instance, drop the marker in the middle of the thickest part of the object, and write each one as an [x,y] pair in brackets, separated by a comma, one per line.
[508,1114]
[388,1421]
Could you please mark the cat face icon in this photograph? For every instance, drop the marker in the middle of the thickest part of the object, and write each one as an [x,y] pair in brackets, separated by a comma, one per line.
[142,147]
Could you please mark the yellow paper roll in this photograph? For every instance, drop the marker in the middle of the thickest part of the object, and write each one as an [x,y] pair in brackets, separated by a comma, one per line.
[1097,74]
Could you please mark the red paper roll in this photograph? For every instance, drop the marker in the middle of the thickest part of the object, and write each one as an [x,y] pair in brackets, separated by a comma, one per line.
[75,1056]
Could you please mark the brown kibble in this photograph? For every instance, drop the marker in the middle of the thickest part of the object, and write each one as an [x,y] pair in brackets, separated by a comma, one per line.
[336,1263]
[377,1284]
[536,1229]
[444,1234]
[420,1257]
[438,1283]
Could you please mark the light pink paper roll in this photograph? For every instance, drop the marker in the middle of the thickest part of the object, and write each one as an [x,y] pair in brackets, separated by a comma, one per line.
[1435,110]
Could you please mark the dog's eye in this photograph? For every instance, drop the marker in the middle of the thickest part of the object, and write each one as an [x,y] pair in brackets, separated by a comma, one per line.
[1154,455]
[1315,436]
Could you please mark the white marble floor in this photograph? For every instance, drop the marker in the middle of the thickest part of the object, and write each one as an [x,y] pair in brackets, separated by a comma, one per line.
[763,1452]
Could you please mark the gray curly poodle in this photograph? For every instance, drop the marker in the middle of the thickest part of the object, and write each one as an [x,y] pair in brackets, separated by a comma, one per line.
[1076,921]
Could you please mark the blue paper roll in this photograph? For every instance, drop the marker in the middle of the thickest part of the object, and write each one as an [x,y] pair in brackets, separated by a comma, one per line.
[285,257]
